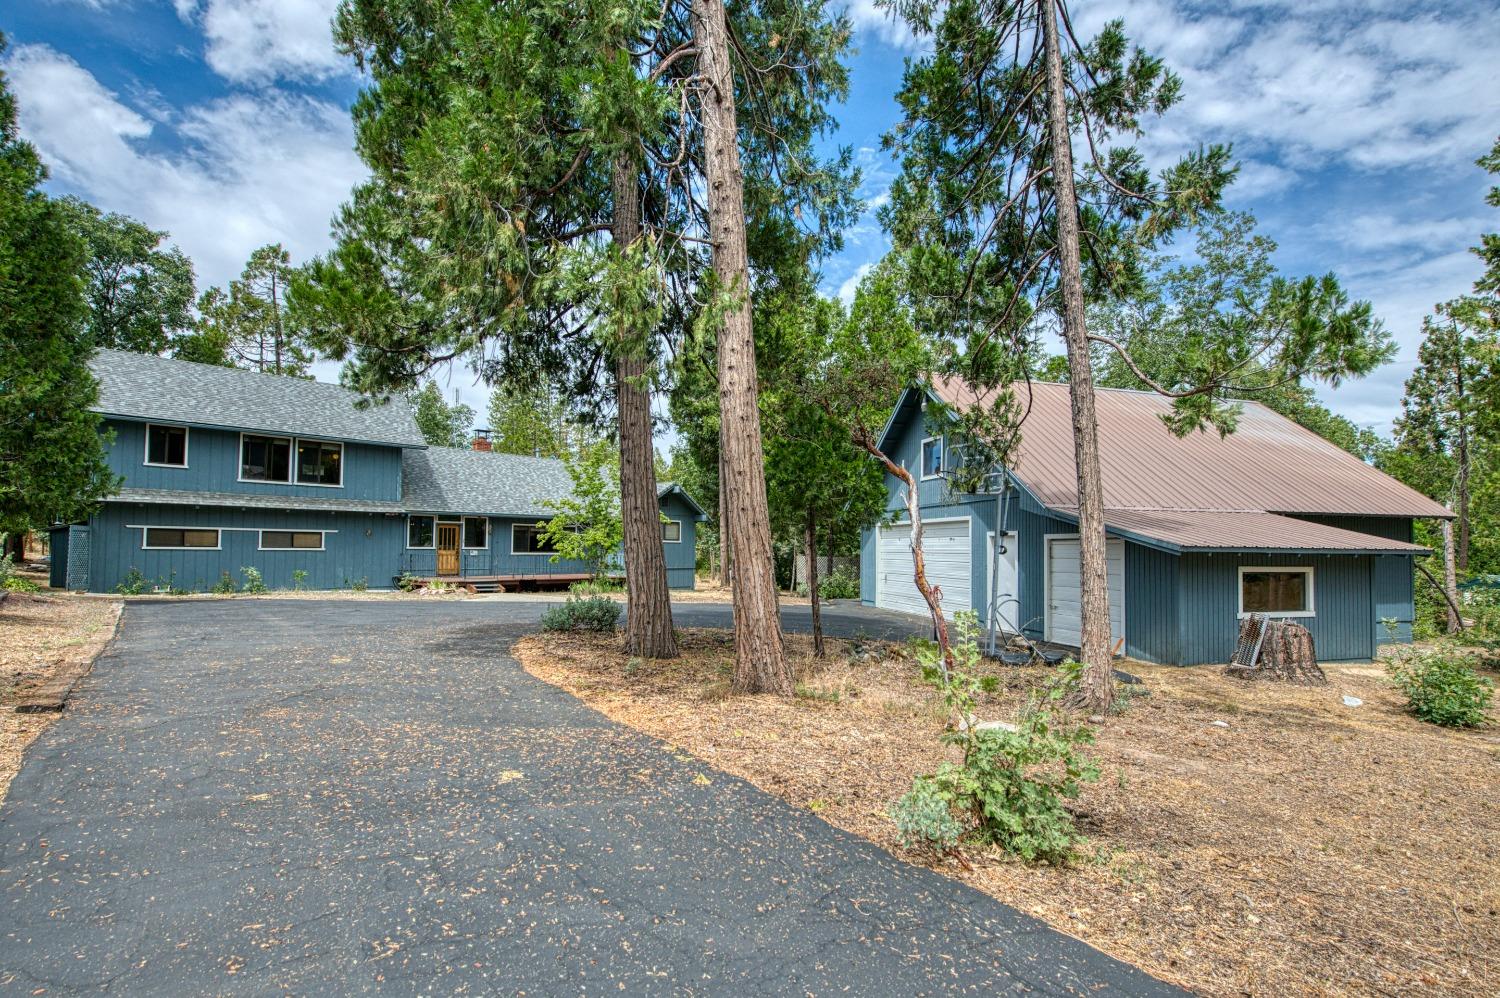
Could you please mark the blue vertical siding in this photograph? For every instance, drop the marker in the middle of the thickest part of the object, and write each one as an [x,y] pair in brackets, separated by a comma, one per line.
[1391,579]
[1153,620]
[213,457]
[57,557]
[1033,524]
[682,557]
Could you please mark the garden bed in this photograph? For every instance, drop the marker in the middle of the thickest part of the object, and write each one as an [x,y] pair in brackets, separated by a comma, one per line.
[1308,847]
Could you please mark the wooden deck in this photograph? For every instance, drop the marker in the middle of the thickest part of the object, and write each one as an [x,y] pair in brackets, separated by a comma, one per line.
[503,583]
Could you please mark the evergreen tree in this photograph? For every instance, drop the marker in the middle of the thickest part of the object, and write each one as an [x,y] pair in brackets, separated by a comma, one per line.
[442,425]
[1488,249]
[139,293]
[253,320]
[531,419]
[52,465]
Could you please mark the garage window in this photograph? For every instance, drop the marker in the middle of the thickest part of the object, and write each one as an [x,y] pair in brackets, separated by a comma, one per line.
[932,457]
[1277,591]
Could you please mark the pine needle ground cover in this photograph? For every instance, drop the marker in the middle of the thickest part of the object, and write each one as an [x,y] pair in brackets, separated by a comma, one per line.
[1306,848]
[40,634]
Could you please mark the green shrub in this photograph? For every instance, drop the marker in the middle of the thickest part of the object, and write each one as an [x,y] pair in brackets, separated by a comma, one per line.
[133,584]
[409,583]
[299,579]
[1011,787]
[1442,687]
[591,613]
[596,587]
[359,585]
[253,582]
[225,586]
[11,582]
[841,584]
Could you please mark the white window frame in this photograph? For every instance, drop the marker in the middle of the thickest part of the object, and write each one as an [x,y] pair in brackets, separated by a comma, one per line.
[148,527]
[146,447]
[524,554]
[260,542]
[421,547]
[922,457]
[297,442]
[463,533]
[1307,570]
[667,522]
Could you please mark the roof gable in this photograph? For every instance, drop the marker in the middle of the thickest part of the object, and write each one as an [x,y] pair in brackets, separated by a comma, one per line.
[146,387]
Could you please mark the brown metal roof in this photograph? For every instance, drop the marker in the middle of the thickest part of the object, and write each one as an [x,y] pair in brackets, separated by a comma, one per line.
[1269,464]
[1222,530]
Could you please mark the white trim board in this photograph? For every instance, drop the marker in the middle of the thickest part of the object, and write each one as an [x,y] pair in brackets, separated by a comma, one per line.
[1239,595]
[292,442]
[187,436]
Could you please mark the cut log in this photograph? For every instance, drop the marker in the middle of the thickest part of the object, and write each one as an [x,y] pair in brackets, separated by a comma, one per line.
[1282,652]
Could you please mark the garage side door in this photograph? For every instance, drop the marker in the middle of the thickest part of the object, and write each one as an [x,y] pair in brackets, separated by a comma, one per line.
[948,555]
[1064,601]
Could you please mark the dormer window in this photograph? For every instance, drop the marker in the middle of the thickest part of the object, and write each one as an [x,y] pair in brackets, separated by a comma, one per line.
[319,463]
[166,446]
[265,459]
[932,457]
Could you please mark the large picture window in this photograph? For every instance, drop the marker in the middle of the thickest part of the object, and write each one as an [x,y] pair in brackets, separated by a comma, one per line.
[319,463]
[179,537]
[291,540]
[166,446]
[419,531]
[265,459]
[476,532]
[1276,591]
[525,538]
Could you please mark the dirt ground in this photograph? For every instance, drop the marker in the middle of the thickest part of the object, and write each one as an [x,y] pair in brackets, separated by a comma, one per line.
[40,633]
[1307,847]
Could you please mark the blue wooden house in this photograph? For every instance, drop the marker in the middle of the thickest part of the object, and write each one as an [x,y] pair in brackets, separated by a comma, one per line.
[225,469]
[1201,530]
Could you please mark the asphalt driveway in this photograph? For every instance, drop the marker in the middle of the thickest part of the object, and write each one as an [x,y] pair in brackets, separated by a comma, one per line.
[302,797]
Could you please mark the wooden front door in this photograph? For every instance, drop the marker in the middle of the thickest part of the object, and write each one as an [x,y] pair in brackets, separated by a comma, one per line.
[447,549]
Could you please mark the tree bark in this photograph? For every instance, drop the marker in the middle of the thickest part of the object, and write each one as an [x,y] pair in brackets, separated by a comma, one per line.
[648,622]
[810,535]
[723,525]
[1450,578]
[1098,682]
[760,664]
[1461,551]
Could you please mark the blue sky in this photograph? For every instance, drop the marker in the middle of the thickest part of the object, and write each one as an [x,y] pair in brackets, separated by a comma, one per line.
[225,123]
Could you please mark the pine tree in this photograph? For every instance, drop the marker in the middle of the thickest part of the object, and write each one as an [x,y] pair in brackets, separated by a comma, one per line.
[253,320]
[442,425]
[1488,249]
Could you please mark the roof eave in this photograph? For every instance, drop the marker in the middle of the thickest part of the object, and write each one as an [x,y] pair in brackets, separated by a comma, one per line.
[227,427]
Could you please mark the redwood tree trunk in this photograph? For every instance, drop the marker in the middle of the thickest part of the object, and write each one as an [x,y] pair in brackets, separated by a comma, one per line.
[759,657]
[811,537]
[648,623]
[723,526]
[1098,684]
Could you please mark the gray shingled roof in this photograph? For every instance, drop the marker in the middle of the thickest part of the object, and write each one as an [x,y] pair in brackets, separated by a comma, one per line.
[458,480]
[142,386]
[662,488]
[245,500]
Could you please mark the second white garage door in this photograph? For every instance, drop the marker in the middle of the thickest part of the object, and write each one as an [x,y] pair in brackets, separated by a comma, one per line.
[1064,605]
[947,554]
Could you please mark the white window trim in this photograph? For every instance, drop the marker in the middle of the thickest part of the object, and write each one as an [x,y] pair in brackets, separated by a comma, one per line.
[146,449]
[146,528]
[679,531]
[1307,570]
[922,457]
[260,543]
[524,554]
[421,547]
[292,442]
[463,531]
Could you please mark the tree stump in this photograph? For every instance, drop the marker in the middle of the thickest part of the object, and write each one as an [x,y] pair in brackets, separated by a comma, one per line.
[1286,654]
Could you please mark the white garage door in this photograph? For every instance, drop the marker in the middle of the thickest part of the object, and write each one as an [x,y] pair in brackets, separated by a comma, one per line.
[1064,606]
[946,552]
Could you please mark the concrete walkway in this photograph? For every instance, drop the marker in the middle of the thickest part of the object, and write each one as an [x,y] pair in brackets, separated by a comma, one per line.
[299,797]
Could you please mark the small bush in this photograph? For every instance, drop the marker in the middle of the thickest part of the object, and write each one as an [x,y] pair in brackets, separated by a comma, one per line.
[358,585]
[11,582]
[596,587]
[299,579]
[1442,687]
[253,582]
[591,613]
[842,584]
[409,583]
[133,584]
[924,818]
[225,586]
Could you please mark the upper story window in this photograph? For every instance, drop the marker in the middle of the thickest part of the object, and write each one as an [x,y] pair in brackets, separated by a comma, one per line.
[166,446]
[1277,592]
[671,531]
[320,463]
[932,457]
[265,459]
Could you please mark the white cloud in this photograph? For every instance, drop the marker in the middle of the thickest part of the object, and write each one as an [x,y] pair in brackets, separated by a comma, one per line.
[886,26]
[851,284]
[222,177]
[258,41]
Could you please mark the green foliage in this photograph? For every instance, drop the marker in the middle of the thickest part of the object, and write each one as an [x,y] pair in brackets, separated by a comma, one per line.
[1442,687]
[587,526]
[359,585]
[10,581]
[1011,787]
[842,584]
[1488,249]
[253,581]
[299,579]
[531,419]
[442,425]
[597,587]
[253,321]
[133,584]
[225,586]
[51,457]
[409,583]
[591,613]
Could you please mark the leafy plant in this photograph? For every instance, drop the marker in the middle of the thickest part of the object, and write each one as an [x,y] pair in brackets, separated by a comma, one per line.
[299,579]
[359,585]
[587,525]
[409,583]
[253,581]
[133,584]
[10,581]
[225,586]
[841,583]
[596,587]
[1011,786]
[1442,687]
[168,584]
[590,613]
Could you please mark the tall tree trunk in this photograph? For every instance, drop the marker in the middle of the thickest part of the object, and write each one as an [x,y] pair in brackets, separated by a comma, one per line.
[1461,552]
[1450,578]
[1098,683]
[15,547]
[759,656]
[648,624]
[723,525]
[810,536]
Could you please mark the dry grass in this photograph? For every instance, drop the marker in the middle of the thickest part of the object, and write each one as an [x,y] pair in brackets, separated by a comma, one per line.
[1307,848]
[40,634]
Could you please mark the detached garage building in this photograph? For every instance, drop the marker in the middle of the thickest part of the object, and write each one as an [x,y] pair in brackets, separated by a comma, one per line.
[1201,530]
